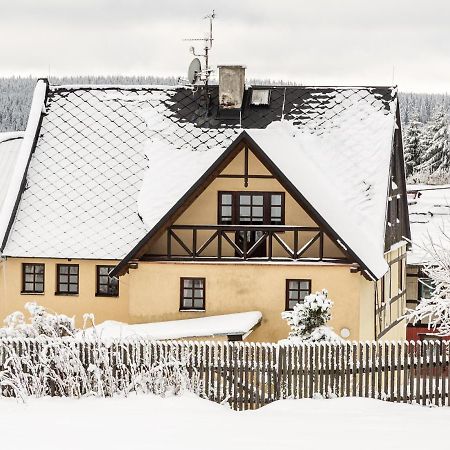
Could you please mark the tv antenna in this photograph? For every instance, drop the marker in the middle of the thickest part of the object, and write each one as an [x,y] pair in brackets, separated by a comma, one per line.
[195,72]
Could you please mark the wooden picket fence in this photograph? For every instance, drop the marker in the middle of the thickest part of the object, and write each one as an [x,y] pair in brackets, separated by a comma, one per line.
[251,375]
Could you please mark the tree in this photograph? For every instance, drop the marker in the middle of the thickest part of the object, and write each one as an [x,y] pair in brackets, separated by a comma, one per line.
[412,146]
[308,319]
[436,156]
[436,309]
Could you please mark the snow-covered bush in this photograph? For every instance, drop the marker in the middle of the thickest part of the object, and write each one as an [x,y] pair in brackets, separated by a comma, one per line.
[41,322]
[73,368]
[436,309]
[308,320]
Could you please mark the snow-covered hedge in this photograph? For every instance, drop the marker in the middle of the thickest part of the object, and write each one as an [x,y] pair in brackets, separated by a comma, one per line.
[70,367]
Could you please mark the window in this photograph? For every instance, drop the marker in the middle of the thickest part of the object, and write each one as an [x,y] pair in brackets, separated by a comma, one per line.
[260,97]
[425,288]
[67,279]
[33,278]
[106,286]
[192,293]
[296,291]
[251,208]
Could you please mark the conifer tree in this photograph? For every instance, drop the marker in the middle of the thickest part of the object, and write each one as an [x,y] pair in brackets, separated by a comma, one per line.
[435,143]
[412,145]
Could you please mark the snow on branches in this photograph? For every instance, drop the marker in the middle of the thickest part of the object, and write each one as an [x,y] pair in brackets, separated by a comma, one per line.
[41,323]
[436,309]
[308,320]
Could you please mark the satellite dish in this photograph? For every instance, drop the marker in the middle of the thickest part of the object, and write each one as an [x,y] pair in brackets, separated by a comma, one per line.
[194,70]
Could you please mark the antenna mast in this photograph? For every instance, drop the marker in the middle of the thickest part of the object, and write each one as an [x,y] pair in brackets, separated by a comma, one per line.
[208,42]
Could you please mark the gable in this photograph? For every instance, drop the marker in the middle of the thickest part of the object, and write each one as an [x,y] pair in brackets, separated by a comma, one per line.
[244,173]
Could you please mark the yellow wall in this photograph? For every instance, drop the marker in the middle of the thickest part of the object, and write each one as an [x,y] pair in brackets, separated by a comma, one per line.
[238,287]
[11,299]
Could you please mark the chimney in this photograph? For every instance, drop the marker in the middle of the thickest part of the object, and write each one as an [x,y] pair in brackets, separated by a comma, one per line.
[231,86]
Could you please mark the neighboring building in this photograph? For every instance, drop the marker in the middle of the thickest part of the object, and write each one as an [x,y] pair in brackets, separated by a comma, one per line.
[429,215]
[210,200]
[10,143]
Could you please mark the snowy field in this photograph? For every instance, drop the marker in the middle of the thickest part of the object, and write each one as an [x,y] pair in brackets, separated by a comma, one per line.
[187,422]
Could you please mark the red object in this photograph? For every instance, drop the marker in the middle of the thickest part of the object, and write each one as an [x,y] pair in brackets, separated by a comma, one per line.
[414,333]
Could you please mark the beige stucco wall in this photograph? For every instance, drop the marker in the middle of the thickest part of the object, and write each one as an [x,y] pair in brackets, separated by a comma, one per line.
[11,299]
[236,287]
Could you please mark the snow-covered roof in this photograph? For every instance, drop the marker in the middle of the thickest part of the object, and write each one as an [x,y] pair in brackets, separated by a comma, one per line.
[10,143]
[238,324]
[429,216]
[96,143]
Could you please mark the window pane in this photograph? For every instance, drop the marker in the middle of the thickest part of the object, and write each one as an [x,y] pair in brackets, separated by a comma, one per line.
[292,304]
[293,295]
[187,293]
[276,200]
[28,286]
[39,287]
[103,289]
[258,199]
[304,285]
[293,284]
[303,294]
[198,283]
[74,270]
[103,270]
[245,199]
[73,288]
[244,211]
[187,303]
[226,211]
[257,211]
[63,269]
[29,268]
[226,199]
[275,211]
[63,278]
[187,283]
[74,278]
[198,303]
[198,293]
[39,278]
[63,288]
[29,277]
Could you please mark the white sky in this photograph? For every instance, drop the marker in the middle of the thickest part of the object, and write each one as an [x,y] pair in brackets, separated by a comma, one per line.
[310,42]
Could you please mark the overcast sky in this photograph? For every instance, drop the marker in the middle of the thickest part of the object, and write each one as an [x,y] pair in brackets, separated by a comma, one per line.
[311,42]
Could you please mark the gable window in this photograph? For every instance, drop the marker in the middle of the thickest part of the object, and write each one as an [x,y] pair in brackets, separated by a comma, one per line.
[106,286]
[67,279]
[33,278]
[251,208]
[296,291]
[192,294]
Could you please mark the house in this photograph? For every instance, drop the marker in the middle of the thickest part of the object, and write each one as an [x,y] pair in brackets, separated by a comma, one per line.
[429,215]
[148,204]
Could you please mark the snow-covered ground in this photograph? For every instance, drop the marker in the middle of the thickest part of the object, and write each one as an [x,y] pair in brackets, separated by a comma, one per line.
[187,422]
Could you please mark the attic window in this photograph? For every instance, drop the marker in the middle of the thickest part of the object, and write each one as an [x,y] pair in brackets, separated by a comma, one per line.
[260,97]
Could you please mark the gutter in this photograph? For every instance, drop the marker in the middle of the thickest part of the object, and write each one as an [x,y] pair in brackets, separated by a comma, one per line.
[19,178]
